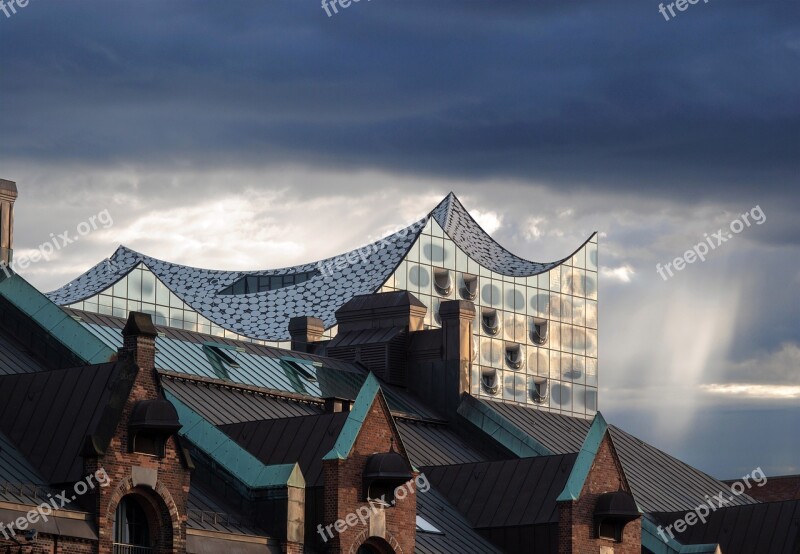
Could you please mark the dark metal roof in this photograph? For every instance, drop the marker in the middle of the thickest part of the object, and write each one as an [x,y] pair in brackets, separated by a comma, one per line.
[48,415]
[457,536]
[304,440]
[209,513]
[506,493]
[768,528]
[659,482]
[435,444]
[221,403]
[15,358]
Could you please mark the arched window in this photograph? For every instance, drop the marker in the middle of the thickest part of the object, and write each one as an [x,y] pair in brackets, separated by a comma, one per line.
[131,530]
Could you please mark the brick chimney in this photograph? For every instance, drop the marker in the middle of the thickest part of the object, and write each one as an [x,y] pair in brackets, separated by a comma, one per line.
[8,195]
[305,332]
[139,342]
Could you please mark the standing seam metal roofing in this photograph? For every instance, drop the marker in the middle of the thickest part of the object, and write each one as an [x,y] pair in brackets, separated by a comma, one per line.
[659,482]
[259,366]
[265,315]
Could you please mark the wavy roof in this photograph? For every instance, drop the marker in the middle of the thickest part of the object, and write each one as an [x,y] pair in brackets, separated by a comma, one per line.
[265,315]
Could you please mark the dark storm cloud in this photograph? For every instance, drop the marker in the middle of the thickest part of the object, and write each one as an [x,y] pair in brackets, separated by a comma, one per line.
[576,94]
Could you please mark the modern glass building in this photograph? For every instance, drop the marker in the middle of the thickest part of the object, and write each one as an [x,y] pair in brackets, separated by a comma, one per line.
[535,327]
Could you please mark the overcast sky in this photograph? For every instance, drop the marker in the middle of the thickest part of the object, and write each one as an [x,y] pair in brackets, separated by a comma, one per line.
[253,135]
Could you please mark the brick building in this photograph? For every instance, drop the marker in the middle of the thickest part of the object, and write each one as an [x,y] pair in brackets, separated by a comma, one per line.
[121,436]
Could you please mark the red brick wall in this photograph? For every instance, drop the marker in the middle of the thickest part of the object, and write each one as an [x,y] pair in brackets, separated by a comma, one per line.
[344,490]
[576,519]
[165,505]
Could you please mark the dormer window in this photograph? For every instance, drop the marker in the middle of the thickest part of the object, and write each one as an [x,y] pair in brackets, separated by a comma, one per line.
[613,511]
[469,286]
[514,356]
[442,282]
[490,320]
[221,357]
[539,332]
[383,473]
[152,422]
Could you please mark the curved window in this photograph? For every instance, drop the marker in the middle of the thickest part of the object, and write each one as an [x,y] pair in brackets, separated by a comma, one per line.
[540,390]
[490,295]
[514,356]
[419,276]
[539,331]
[131,528]
[489,381]
[469,286]
[261,283]
[515,300]
[490,321]
[442,282]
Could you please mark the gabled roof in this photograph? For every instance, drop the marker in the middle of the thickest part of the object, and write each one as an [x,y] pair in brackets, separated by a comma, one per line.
[330,283]
[658,481]
[50,415]
[369,394]
[586,457]
[506,493]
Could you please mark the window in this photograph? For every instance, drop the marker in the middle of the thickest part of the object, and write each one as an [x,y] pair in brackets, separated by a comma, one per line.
[304,368]
[491,323]
[221,358]
[514,356]
[149,443]
[424,526]
[540,390]
[490,381]
[469,286]
[442,282]
[131,532]
[539,331]
[250,284]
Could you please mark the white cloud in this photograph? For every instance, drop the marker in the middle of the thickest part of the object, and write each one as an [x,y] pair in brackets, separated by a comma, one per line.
[622,274]
[753,390]
[490,221]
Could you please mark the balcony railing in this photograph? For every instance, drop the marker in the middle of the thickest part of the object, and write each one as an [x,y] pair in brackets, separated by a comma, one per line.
[130,549]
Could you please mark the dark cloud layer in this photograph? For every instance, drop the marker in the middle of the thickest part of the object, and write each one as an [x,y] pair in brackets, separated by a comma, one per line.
[579,94]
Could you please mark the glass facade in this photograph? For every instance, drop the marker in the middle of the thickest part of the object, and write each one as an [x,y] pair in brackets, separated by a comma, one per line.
[535,337]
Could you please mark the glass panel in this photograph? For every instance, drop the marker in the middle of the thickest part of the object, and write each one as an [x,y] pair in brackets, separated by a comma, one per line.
[591,371]
[591,256]
[120,289]
[135,285]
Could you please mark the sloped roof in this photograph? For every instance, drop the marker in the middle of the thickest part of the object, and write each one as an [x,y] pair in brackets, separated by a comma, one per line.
[48,415]
[768,528]
[457,536]
[265,315]
[304,440]
[259,366]
[658,481]
[505,493]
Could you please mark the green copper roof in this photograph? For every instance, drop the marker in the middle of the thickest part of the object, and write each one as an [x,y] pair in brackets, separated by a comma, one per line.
[580,471]
[235,459]
[501,429]
[347,437]
[54,320]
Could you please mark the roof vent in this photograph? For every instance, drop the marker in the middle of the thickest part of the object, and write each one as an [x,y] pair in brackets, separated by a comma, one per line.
[383,473]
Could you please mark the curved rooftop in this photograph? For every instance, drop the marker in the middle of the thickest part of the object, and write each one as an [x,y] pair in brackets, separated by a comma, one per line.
[240,301]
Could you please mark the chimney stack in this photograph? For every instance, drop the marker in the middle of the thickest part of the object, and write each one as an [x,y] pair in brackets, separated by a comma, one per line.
[8,195]
[305,332]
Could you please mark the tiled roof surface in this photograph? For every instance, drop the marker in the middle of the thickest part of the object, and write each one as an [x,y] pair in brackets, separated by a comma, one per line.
[265,315]
[659,482]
